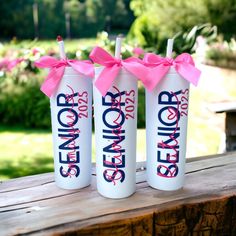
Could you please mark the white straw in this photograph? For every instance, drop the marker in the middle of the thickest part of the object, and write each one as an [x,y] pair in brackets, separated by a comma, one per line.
[118,47]
[169,49]
[61,47]
[62,50]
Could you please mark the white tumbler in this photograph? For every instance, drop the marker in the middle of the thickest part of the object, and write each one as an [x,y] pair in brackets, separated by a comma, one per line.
[166,130]
[115,117]
[71,115]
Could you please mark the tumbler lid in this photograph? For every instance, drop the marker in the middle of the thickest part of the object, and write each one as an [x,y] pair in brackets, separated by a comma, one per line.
[70,71]
[122,71]
[172,70]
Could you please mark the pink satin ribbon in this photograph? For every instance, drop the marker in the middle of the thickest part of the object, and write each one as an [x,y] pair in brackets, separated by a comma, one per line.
[57,69]
[159,67]
[112,67]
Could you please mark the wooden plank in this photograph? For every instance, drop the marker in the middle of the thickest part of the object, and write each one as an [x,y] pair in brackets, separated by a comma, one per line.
[208,218]
[26,182]
[40,191]
[32,194]
[108,224]
[46,209]
[230,124]
[223,107]
[29,181]
[210,162]
[37,180]
[44,179]
[230,131]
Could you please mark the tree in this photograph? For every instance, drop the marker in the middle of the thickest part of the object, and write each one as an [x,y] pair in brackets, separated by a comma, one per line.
[16,18]
[222,13]
[164,19]
[87,17]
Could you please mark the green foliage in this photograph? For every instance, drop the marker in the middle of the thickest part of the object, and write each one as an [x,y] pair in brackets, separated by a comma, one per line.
[145,31]
[141,108]
[21,101]
[185,41]
[51,19]
[158,20]
[27,106]
[222,54]
[222,13]
[86,17]
[32,152]
[109,45]
[12,23]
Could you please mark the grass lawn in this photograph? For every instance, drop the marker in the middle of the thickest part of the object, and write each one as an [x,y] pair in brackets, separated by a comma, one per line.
[24,152]
[51,44]
[27,152]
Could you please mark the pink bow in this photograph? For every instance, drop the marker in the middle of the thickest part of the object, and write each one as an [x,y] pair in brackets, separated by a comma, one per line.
[57,68]
[112,67]
[159,67]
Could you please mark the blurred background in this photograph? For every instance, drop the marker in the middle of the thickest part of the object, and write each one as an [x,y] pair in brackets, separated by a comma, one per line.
[28,29]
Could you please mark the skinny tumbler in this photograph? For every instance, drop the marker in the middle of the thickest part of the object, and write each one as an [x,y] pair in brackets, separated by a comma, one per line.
[166,130]
[115,117]
[71,116]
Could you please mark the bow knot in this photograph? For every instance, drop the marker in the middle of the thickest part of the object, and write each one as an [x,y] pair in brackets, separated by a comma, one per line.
[57,69]
[159,67]
[63,62]
[118,61]
[112,67]
[169,61]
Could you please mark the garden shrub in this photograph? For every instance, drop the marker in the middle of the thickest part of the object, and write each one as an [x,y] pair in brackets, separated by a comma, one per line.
[21,101]
[23,104]
[141,108]
[167,19]
[222,54]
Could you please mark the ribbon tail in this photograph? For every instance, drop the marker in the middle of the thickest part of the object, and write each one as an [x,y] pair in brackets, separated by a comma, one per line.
[106,78]
[188,72]
[84,68]
[46,62]
[52,81]
[137,69]
[185,57]
[152,58]
[100,56]
[154,76]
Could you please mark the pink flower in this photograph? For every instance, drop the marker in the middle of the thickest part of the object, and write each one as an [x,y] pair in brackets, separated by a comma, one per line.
[3,63]
[8,65]
[13,63]
[138,51]
[35,51]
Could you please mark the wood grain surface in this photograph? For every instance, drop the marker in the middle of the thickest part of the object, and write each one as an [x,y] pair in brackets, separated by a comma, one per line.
[206,205]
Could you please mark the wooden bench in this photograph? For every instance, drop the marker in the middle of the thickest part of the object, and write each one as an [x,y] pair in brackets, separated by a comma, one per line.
[229,108]
[206,205]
